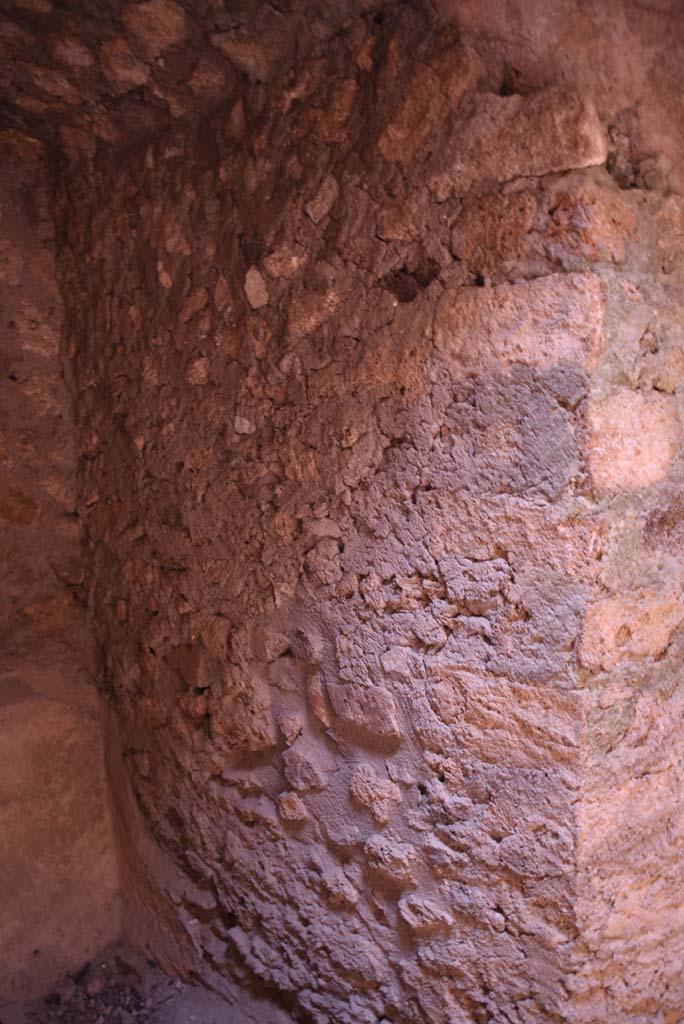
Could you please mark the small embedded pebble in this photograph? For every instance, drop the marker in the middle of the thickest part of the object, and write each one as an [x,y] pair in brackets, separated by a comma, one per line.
[95,984]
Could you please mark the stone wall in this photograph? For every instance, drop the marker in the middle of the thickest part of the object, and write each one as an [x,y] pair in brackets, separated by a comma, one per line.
[58,872]
[377,394]
[630,839]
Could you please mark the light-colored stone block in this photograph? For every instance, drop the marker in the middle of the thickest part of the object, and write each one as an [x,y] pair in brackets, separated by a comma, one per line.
[549,321]
[633,439]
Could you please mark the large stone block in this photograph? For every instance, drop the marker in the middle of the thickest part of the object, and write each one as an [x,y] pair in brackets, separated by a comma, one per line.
[633,439]
[629,626]
[542,323]
[505,138]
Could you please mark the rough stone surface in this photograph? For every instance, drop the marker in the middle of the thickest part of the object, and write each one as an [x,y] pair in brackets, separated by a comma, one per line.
[544,322]
[58,871]
[503,138]
[356,580]
[93,75]
[122,985]
[57,861]
[632,626]
[634,439]
[384,571]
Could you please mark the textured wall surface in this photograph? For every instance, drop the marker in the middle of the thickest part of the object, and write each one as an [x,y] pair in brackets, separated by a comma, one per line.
[376,364]
[378,398]
[89,75]
[58,874]
[630,839]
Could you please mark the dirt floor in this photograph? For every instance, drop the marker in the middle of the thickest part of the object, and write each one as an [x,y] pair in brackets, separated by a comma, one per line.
[120,987]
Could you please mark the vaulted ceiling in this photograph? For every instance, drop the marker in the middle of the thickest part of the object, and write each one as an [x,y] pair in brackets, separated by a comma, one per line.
[89,73]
